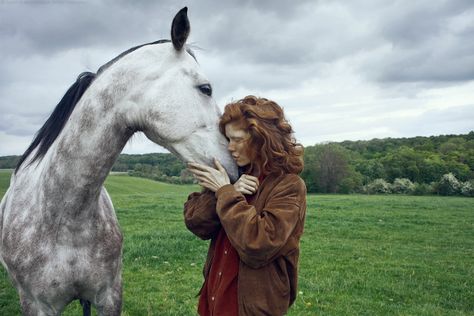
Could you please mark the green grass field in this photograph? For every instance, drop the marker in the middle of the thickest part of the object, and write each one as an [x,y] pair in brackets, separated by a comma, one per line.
[361,255]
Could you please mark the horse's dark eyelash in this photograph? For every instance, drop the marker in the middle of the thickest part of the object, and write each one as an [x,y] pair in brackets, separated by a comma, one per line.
[205,88]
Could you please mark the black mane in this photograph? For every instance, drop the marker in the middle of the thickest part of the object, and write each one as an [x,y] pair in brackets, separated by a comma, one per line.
[48,133]
[52,127]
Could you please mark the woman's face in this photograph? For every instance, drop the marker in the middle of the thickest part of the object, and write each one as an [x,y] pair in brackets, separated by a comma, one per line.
[238,144]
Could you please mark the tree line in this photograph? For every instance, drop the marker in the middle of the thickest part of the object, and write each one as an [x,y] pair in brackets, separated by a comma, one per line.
[158,166]
[418,165]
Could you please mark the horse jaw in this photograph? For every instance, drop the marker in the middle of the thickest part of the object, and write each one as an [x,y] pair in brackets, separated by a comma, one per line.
[201,146]
[196,148]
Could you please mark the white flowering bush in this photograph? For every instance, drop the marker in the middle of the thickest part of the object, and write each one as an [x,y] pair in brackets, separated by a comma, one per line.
[467,188]
[449,185]
[402,186]
[378,186]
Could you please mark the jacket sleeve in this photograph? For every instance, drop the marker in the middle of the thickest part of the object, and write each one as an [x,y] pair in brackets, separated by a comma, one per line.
[258,237]
[200,215]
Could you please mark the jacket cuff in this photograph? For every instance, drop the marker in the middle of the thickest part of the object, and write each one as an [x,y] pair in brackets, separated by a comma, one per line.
[228,188]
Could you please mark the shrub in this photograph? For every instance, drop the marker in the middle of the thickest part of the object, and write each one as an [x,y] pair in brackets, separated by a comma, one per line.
[448,185]
[378,186]
[467,188]
[186,177]
[422,189]
[403,186]
[174,180]
[351,184]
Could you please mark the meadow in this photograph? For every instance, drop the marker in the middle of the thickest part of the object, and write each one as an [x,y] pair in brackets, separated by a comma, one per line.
[360,255]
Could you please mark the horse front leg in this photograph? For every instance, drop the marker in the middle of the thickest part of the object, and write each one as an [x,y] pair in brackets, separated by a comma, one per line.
[109,302]
[29,307]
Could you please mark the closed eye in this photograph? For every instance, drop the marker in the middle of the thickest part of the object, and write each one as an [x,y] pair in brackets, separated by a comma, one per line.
[205,89]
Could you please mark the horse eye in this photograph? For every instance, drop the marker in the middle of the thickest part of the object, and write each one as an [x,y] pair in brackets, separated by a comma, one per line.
[205,89]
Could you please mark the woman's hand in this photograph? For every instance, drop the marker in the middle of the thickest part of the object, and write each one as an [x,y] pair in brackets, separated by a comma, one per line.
[247,184]
[208,177]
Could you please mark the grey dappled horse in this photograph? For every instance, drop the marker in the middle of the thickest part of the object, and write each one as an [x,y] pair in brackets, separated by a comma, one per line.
[60,239]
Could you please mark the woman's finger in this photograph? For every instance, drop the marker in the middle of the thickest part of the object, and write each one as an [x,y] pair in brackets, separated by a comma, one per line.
[244,191]
[199,172]
[193,170]
[198,166]
[219,166]
[193,165]
[245,187]
[206,184]
[250,184]
[249,187]
[203,179]
[250,178]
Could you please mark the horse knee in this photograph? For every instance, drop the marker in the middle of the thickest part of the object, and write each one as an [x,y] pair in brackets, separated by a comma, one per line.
[31,307]
[111,302]
[28,306]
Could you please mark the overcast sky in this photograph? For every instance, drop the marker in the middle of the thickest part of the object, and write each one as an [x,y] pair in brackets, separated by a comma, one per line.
[342,70]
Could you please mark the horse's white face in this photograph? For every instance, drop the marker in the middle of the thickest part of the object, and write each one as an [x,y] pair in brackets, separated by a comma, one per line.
[164,94]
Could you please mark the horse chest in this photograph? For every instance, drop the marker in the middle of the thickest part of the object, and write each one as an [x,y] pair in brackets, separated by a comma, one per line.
[61,272]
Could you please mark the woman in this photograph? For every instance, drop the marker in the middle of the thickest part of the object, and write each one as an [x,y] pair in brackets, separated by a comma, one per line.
[255,224]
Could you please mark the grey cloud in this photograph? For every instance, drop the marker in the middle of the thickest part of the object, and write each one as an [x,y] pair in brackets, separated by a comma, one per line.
[407,23]
[403,47]
[423,66]
[46,29]
[316,35]
[425,43]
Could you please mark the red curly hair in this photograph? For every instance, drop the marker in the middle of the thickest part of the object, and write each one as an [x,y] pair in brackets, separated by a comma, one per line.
[273,149]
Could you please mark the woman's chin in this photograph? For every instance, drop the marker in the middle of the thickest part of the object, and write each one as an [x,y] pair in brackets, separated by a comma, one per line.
[241,165]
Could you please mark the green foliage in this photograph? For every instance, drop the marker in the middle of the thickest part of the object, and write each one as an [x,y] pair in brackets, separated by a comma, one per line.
[327,169]
[350,184]
[360,255]
[8,162]
[159,167]
[421,160]
[369,169]
[422,189]
[158,164]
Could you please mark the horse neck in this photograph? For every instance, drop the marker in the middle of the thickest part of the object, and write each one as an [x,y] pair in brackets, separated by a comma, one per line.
[79,161]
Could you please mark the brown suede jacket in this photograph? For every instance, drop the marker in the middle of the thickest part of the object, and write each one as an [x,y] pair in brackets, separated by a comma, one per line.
[266,234]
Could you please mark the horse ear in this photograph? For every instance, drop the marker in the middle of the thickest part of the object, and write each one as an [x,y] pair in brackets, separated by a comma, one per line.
[180,29]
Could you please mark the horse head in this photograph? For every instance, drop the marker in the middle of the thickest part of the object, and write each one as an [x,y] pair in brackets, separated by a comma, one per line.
[159,89]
